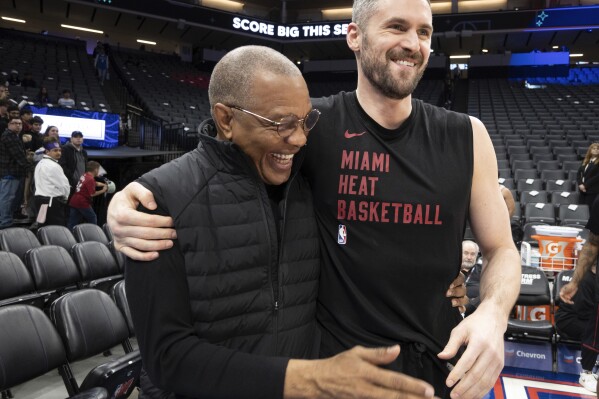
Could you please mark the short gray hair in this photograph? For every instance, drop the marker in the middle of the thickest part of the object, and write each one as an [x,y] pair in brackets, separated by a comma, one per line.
[232,80]
[469,242]
[362,10]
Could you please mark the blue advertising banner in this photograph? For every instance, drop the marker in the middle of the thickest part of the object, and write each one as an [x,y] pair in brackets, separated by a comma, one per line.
[568,359]
[529,355]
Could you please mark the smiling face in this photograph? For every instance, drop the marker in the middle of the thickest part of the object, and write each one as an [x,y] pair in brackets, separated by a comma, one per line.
[594,149]
[395,46]
[279,96]
[53,132]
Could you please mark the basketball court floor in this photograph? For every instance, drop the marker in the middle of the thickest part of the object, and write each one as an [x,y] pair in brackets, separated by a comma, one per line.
[516,383]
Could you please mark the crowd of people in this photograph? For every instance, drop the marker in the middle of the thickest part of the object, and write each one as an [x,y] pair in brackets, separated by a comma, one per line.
[41,181]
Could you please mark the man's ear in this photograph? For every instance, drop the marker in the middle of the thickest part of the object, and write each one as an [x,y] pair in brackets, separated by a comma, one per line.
[223,118]
[354,37]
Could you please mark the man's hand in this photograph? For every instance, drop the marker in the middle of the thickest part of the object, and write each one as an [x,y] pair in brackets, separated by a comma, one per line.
[457,293]
[26,138]
[138,235]
[568,291]
[482,361]
[352,374]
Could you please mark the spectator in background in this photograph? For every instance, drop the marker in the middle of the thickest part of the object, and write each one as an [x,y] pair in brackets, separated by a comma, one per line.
[587,259]
[4,92]
[571,320]
[43,97]
[37,139]
[588,176]
[28,80]
[74,158]
[99,46]
[13,169]
[101,64]
[3,115]
[66,100]
[13,111]
[51,131]
[26,115]
[14,79]
[469,256]
[81,202]
[51,185]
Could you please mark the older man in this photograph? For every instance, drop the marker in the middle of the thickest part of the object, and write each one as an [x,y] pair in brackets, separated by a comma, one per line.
[394,182]
[469,256]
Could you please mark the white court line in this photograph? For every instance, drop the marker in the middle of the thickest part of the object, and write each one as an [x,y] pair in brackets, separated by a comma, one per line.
[515,388]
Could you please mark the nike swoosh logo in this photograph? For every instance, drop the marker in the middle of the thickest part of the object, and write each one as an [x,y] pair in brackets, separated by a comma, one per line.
[349,135]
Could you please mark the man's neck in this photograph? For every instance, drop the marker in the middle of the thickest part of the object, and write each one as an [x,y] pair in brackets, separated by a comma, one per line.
[77,147]
[387,112]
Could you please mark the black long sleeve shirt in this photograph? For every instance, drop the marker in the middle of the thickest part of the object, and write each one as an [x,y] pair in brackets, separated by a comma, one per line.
[175,357]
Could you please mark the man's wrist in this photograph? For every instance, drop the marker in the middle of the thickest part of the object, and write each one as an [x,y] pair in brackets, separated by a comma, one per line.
[498,312]
[299,379]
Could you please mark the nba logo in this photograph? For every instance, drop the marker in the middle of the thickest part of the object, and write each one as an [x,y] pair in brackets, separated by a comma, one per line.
[342,235]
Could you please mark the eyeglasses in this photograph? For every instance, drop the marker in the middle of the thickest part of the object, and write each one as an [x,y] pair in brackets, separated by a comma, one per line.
[287,125]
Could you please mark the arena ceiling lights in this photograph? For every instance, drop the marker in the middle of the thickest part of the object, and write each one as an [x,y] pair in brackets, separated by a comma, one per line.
[146,42]
[576,55]
[22,21]
[336,13]
[82,29]
[458,56]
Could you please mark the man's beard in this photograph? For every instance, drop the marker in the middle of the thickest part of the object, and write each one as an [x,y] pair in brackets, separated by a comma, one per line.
[468,265]
[379,75]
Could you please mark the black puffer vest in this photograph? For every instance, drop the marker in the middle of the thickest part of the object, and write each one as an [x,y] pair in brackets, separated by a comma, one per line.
[241,297]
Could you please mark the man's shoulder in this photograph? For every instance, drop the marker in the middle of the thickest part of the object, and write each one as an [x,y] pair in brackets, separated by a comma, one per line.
[326,103]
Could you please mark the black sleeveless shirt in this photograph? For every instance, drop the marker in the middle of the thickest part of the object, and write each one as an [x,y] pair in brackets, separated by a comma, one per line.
[392,207]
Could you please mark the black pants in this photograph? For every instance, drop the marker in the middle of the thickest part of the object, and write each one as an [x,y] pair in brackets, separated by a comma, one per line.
[57,211]
[574,321]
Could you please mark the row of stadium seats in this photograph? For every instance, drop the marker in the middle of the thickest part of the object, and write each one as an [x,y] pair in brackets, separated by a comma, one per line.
[81,324]
[70,282]
[55,63]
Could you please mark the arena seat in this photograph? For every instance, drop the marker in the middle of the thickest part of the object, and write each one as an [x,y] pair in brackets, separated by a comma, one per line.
[16,284]
[56,235]
[121,258]
[32,347]
[90,323]
[533,196]
[525,174]
[564,197]
[534,291]
[573,214]
[120,298]
[533,212]
[18,240]
[97,265]
[529,185]
[54,271]
[90,232]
